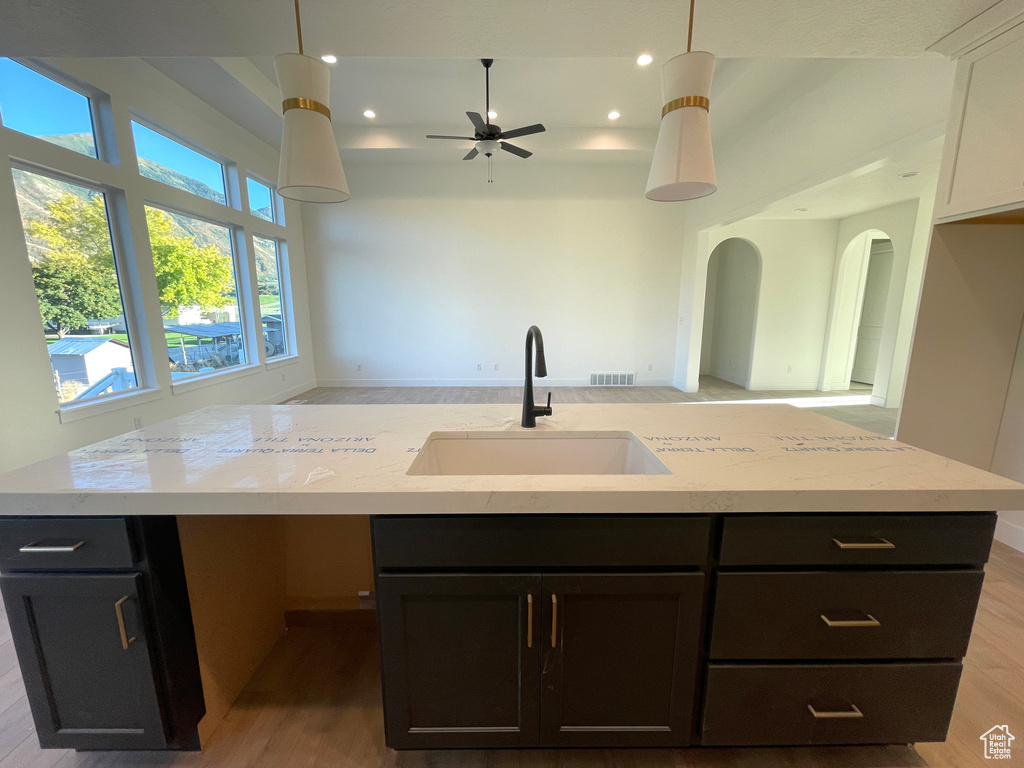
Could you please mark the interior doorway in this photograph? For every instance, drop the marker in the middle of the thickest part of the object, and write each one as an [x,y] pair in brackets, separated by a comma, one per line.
[872,313]
[730,311]
[855,348]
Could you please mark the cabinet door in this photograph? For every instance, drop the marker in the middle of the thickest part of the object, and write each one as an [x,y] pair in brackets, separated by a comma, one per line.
[86,689]
[459,669]
[620,658]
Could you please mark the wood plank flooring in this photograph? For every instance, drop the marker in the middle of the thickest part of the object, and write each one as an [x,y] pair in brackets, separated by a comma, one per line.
[316,702]
[869,417]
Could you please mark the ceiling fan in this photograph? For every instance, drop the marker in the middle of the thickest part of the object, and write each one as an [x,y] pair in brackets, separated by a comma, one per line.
[490,138]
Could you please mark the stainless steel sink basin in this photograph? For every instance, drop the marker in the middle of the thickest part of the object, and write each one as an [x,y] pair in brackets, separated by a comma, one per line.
[535,453]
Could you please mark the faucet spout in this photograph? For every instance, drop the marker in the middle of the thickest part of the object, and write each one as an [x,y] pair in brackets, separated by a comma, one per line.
[530,410]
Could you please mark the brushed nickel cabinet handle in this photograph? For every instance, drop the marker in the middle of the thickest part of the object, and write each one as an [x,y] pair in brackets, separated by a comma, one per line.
[870,621]
[529,621]
[125,640]
[880,544]
[37,547]
[853,711]
[554,621]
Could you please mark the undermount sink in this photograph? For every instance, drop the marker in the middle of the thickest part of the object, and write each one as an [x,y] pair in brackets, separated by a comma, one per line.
[535,453]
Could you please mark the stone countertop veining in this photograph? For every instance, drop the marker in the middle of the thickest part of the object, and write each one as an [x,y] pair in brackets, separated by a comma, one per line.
[352,459]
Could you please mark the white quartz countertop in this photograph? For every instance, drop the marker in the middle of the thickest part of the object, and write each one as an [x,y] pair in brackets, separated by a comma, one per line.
[352,459]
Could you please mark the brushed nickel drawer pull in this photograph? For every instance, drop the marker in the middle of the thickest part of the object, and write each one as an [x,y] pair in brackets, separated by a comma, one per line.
[853,711]
[870,621]
[554,621]
[35,546]
[529,621]
[125,640]
[880,544]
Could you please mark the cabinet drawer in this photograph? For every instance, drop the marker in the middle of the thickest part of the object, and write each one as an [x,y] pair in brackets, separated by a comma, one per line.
[64,543]
[928,539]
[844,614]
[537,541]
[855,703]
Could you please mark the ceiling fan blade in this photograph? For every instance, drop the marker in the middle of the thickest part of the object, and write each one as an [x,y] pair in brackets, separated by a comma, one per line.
[478,122]
[515,150]
[525,131]
[472,153]
[460,138]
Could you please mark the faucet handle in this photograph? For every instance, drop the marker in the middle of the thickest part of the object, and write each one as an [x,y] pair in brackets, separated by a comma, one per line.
[549,399]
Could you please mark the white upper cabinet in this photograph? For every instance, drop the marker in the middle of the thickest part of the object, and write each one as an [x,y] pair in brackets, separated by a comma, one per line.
[983,160]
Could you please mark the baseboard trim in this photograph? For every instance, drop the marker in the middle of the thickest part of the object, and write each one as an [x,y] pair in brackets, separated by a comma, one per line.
[341,618]
[1010,534]
[279,397]
[517,382]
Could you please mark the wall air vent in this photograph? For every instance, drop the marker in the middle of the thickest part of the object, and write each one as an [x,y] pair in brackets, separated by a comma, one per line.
[616,379]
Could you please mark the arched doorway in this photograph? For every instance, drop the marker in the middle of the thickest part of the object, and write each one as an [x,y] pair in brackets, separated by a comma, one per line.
[730,311]
[853,347]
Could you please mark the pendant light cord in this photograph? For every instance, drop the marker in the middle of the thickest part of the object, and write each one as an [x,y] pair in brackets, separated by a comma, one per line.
[298,23]
[689,29]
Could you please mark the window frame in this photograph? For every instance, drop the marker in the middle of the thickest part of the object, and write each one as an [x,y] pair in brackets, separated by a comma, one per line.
[129,286]
[99,111]
[276,201]
[229,170]
[245,282]
[285,288]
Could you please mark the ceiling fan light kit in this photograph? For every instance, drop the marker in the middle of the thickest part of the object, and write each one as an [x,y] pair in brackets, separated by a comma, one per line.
[683,167]
[310,169]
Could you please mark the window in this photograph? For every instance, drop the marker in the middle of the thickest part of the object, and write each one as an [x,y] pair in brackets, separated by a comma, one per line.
[272,310]
[81,301]
[34,104]
[195,273]
[168,161]
[261,200]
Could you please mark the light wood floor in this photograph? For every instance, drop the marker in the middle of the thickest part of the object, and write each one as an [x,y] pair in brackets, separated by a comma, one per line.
[870,417]
[316,702]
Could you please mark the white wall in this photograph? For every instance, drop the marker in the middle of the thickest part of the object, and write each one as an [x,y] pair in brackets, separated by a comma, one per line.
[845,116]
[429,270]
[796,271]
[907,226]
[736,267]
[30,427]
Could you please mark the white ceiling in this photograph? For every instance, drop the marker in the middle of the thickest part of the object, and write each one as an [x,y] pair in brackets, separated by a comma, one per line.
[469,28]
[565,63]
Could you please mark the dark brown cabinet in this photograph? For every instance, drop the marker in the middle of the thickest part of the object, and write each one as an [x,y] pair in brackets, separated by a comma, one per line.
[546,657]
[466,669]
[100,619]
[647,630]
[97,681]
[620,658]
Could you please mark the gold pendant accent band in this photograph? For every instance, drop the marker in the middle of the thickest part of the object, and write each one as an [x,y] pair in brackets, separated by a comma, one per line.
[316,106]
[685,101]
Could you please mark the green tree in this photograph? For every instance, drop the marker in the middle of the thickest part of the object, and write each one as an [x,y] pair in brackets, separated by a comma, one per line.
[187,273]
[75,280]
[71,291]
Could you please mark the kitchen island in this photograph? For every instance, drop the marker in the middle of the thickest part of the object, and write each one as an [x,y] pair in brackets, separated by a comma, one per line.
[592,609]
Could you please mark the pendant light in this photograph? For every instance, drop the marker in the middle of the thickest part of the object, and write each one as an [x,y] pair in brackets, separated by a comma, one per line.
[684,166]
[310,169]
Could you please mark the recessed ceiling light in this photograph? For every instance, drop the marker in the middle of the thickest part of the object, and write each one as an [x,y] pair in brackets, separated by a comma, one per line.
[492,115]
[330,58]
[369,113]
[644,59]
[613,115]
[909,174]
[800,210]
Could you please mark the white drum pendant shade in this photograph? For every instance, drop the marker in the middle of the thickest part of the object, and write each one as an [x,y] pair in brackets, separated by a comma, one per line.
[310,168]
[684,167]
